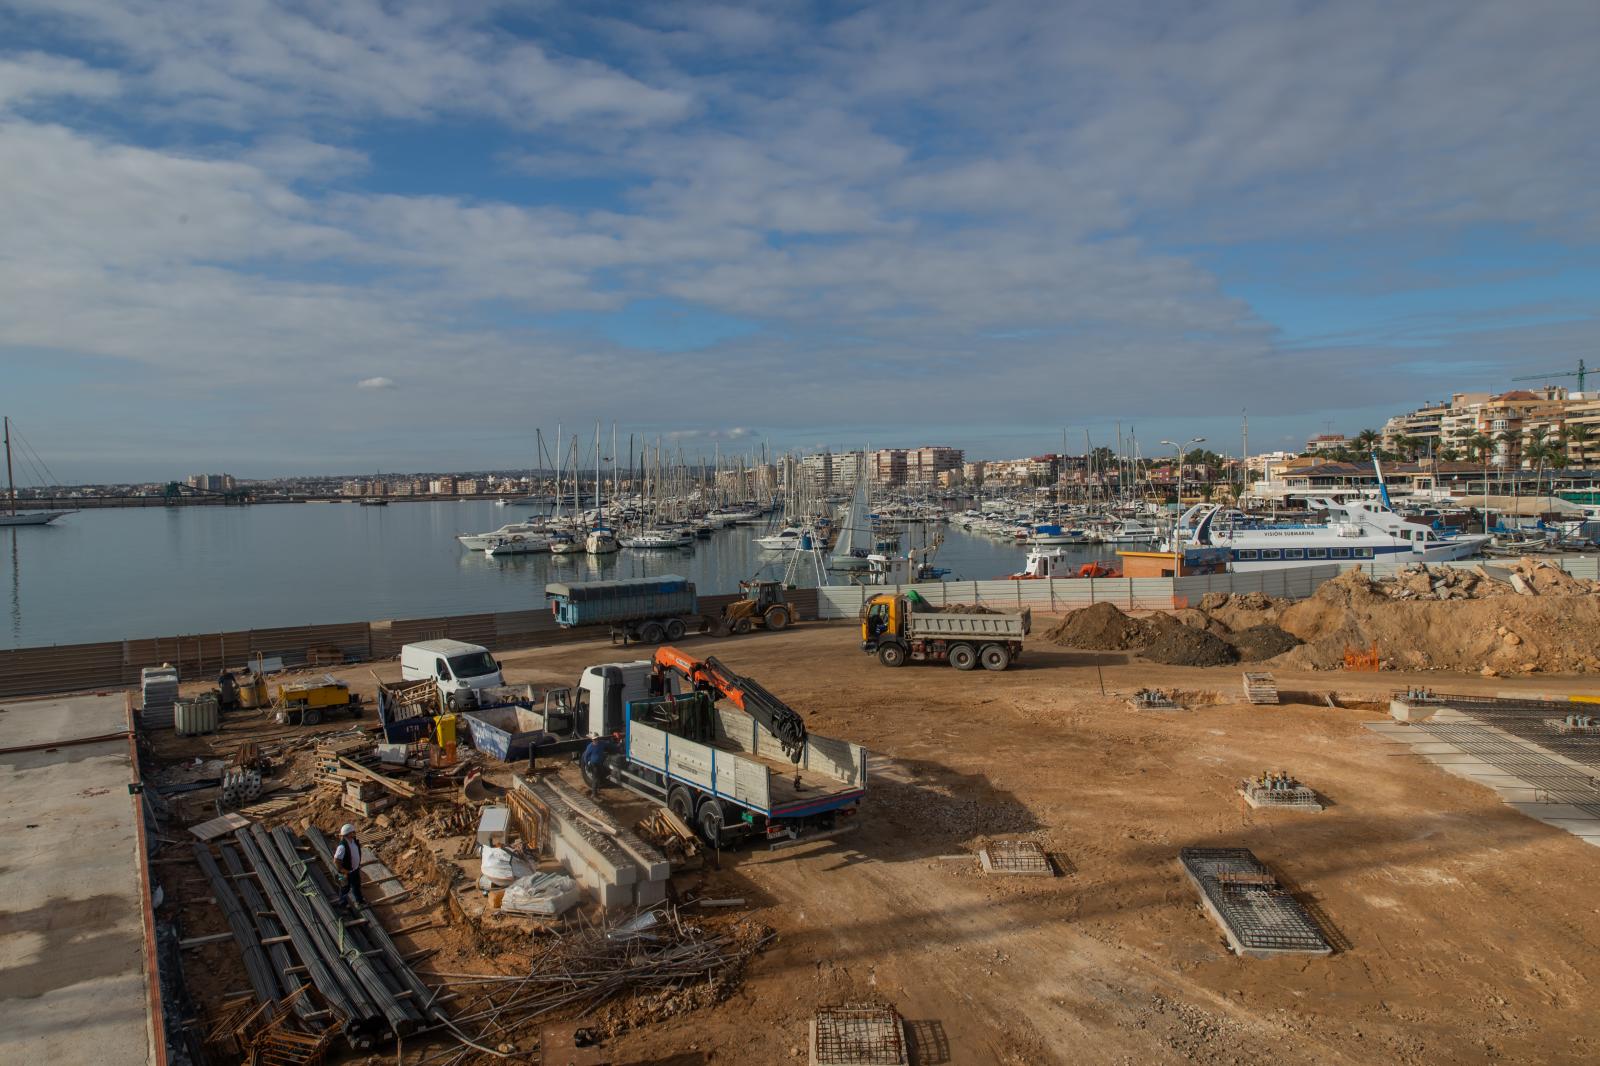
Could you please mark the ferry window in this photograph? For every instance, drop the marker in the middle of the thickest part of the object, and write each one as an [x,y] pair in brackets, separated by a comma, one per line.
[1271,553]
[1316,553]
[1363,553]
[1340,553]
[1294,553]
[1245,553]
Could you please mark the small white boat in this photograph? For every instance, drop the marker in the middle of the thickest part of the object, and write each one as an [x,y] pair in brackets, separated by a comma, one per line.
[658,538]
[518,544]
[11,516]
[601,541]
[563,543]
[782,541]
[1048,535]
[481,541]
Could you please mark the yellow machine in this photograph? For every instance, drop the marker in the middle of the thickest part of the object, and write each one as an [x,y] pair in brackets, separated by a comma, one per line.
[309,700]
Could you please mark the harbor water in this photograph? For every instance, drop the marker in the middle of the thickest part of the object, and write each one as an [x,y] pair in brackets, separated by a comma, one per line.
[116,574]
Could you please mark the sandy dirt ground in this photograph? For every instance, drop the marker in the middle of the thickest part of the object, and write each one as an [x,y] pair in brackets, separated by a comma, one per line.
[1465,932]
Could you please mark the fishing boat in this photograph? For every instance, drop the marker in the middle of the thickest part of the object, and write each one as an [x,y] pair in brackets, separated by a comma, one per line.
[1045,563]
[11,517]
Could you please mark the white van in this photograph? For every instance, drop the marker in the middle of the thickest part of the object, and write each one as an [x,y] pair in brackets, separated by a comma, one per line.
[461,669]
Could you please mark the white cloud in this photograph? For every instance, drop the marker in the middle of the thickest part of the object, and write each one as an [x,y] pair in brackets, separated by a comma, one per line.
[936,214]
[35,75]
[375,383]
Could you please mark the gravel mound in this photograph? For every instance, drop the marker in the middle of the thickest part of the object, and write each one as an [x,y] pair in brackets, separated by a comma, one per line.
[1181,645]
[1098,627]
[1262,642]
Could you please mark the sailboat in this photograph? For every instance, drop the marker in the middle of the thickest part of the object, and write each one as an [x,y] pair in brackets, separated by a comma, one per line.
[11,517]
[847,553]
[601,540]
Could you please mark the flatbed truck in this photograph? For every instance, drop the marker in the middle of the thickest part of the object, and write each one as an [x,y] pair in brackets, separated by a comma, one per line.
[718,768]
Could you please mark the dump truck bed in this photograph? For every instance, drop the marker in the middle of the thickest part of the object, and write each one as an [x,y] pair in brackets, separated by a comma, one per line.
[578,603]
[942,625]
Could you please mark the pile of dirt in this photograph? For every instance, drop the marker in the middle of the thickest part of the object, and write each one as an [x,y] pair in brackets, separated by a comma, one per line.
[1099,627]
[1242,610]
[1262,642]
[1181,645]
[1490,632]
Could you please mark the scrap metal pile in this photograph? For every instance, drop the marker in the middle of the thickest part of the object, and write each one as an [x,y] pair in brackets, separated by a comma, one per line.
[656,952]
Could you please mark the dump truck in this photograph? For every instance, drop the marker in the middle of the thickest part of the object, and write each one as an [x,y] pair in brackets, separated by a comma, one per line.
[745,770]
[903,628]
[645,609]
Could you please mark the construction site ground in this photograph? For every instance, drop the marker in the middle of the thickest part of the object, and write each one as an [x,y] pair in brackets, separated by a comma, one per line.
[1464,932]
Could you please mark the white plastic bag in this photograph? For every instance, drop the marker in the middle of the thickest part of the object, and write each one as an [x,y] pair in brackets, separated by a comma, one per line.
[550,894]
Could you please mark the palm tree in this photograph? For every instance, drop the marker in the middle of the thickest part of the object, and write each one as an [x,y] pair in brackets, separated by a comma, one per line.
[1478,445]
[1578,435]
[1449,453]
[1366,439]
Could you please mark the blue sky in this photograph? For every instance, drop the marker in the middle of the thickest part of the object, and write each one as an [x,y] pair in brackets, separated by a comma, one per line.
[273,238]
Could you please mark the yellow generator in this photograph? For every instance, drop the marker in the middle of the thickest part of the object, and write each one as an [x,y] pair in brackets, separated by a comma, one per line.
[309,700]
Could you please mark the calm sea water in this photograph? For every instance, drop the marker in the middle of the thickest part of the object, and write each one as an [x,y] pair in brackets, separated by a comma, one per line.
[115,574]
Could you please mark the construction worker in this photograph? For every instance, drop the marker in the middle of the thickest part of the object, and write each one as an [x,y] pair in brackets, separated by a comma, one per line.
[347,859]
[594,763]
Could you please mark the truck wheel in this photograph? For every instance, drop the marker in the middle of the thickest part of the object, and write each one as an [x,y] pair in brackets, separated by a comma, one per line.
[650,633]
[711,824]
[777,618]
[675,629]
[741,626]
[681,803]
[962,657]
[995,657]
[311,716]
[891,655]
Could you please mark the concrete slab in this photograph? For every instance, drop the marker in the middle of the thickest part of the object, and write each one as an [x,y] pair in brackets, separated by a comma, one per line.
[73,984]
[28,722]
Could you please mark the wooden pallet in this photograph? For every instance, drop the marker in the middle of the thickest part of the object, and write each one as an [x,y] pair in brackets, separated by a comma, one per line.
[216,827]
[1260,688]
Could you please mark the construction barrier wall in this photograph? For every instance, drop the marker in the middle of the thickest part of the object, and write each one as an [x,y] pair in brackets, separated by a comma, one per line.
[116,664]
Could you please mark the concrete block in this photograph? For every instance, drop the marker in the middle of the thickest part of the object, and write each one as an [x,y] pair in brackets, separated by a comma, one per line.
[649,893]
[599,851]
[1402,711]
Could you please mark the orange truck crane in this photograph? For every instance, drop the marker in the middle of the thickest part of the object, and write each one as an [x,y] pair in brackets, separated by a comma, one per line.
[712,677]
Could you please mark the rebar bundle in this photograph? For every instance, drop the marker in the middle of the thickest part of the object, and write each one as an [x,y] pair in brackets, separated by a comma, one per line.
[654,952]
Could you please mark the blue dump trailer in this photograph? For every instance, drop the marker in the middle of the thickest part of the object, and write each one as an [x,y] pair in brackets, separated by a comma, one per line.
[645,609]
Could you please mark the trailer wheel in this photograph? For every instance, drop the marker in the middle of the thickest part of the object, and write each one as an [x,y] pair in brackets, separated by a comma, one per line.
[681,803]
[311,716]
[741,625]
[995,657]
[675,629]
[891,655]
[711,824]
[650,633]
[777,618]
[963,657]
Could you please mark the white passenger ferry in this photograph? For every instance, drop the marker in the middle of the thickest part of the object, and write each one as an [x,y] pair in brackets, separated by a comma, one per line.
[1356,531]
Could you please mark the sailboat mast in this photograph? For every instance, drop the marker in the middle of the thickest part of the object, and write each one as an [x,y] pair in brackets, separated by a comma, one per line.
[11,485]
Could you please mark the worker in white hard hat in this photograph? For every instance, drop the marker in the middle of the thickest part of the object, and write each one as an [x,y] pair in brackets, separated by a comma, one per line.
[347,859]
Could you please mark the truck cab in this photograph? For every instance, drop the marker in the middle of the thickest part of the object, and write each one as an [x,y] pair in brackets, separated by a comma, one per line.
[460,670]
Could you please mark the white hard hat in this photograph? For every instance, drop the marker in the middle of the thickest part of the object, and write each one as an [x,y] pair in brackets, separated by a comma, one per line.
[346,829]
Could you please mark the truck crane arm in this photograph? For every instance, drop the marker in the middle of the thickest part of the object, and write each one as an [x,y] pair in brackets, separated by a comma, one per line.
[709,675]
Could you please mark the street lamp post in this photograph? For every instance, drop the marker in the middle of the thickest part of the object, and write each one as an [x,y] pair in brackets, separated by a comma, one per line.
[1177,542]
